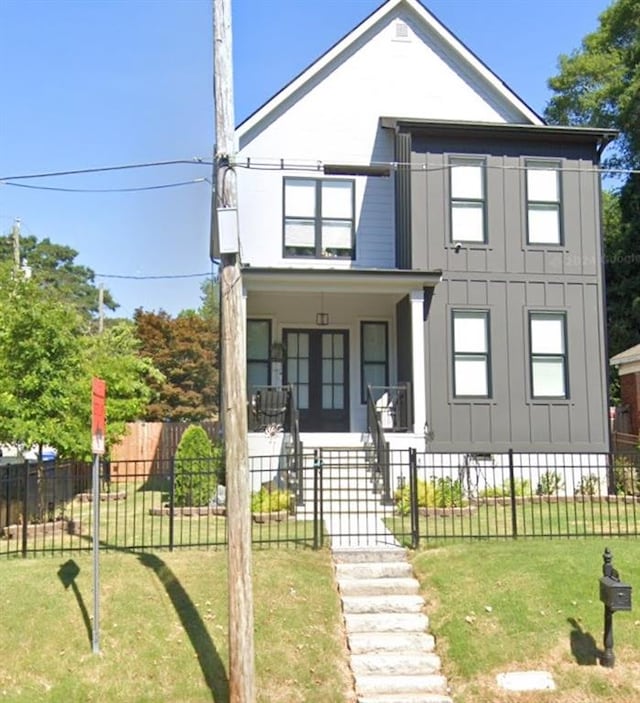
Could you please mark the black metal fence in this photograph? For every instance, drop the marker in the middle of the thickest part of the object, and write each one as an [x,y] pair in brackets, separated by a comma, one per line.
[327,496]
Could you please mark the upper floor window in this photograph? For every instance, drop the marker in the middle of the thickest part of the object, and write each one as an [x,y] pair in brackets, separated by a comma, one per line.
[543,203]
[318,218]
[548,355]
[467,200]
[471,376]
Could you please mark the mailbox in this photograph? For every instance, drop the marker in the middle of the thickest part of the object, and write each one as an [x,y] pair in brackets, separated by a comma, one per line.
[615,594]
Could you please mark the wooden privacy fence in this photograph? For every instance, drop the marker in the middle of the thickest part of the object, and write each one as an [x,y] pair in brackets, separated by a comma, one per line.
[152,445]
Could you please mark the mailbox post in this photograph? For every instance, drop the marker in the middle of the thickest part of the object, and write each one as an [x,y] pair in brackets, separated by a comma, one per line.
[616,596]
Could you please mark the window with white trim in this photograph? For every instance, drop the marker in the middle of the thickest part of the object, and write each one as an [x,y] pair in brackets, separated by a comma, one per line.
[467,178]
[543,203]
[547,339]
[258,354]
[318,218]
[471,377]
[374,355]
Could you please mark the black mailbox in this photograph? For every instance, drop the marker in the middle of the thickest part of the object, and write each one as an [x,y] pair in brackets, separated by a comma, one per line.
[615,594]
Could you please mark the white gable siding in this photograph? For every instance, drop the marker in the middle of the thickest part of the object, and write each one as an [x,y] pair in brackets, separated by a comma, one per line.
[334,118]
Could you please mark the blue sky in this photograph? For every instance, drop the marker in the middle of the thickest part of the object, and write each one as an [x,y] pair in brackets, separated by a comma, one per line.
[90,83]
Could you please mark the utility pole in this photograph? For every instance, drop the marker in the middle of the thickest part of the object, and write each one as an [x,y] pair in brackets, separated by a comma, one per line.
[15,231]
[234,393]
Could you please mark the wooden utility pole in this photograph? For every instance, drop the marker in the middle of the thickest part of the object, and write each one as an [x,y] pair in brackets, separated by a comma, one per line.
[234,393]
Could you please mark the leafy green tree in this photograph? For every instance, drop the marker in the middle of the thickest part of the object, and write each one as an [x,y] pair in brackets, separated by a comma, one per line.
[114,357]
[53,268]
[598,85]
[40,366]
[184,350]
[196,464]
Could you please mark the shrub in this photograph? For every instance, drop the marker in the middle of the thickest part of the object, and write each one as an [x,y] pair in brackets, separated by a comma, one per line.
[196,464]
[448,493]
[436,493]
[521,485]
[588,486]
[550,483]
[266,501]
[426,497]
[626,476]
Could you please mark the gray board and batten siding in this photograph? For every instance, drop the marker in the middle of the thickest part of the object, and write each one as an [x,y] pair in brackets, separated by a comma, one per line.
[509,279]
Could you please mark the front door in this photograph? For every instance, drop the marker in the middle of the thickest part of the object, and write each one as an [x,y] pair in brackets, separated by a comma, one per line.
[316,364]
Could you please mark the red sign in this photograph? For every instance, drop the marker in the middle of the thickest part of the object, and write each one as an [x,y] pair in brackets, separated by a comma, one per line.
[98,418]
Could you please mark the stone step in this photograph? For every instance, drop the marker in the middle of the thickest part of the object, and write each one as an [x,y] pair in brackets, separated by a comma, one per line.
[397,663]
[378,587]
[362,642]
[374,684]
[372,570]
[382,604]
[360,556]
[405,698]
[384,622]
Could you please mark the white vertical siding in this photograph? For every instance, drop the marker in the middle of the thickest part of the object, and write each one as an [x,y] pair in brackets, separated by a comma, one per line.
[335,119]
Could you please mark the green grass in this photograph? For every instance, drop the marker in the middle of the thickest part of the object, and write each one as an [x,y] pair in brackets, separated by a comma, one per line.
[164,629]
[507,606]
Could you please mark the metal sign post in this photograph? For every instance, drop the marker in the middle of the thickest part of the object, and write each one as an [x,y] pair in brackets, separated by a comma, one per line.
[98,428]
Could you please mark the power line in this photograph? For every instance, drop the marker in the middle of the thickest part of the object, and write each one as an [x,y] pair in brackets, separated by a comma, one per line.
[107,190]
[154,277]
[196,160]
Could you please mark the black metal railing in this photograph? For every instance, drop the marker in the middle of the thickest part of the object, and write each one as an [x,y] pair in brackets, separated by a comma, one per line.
[393,405]
[326,495]
[375,421]
[295,455]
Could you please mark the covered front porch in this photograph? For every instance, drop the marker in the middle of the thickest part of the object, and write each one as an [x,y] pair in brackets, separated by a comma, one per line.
[335,337]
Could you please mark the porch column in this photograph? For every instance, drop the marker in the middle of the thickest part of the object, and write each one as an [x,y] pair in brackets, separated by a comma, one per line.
[416,298]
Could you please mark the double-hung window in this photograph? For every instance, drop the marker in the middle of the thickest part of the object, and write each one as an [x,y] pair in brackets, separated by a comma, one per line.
[374,355]
[547,338]
[258,348]
[318,218]
[471,372]
[543,203]
[468,220]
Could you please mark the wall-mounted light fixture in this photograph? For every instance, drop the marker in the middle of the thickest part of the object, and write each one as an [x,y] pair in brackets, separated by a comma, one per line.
[322,319]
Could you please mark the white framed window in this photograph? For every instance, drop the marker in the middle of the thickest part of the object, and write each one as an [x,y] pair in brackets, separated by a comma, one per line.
[471,362]
[548,351]
[318,218]
[467,184]
[543,203]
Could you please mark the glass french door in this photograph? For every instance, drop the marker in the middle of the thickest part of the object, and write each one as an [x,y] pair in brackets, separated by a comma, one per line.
[316,364]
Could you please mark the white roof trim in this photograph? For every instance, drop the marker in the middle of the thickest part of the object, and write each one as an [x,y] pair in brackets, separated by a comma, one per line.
[435,25]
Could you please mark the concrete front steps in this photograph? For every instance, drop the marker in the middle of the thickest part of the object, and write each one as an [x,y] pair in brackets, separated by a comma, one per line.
[393,657]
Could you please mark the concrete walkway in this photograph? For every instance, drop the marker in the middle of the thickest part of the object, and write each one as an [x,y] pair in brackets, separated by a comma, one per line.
[393,657]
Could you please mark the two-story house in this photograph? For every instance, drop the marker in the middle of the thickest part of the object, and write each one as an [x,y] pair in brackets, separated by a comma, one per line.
[409,224]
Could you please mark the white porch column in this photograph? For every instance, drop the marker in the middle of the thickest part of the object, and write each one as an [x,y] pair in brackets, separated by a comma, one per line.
[417,352]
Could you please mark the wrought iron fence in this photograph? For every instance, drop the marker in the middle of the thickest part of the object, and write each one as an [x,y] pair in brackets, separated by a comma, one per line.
[326,496]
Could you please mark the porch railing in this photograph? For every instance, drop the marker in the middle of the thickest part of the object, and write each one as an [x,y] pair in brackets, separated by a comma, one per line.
[295,458]
[381,469]
[393,407]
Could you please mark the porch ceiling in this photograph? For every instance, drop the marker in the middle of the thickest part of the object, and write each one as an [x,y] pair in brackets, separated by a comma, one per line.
[396,281]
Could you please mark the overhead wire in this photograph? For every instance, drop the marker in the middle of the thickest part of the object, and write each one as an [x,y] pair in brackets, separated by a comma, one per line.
[106,190]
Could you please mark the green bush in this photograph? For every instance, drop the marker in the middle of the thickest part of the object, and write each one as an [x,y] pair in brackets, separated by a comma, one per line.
[266,501]
[197,463]
[588,486]
[436,493]
[550,483]
[521,485]
[626,476]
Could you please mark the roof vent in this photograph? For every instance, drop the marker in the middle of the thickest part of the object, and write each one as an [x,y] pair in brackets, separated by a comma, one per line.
[402,30]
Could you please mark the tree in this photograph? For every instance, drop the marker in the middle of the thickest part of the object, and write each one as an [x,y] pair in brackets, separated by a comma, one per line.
[40,365]
[114,357]
[197,462]
[53,269]
[183,349]
[599,85]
